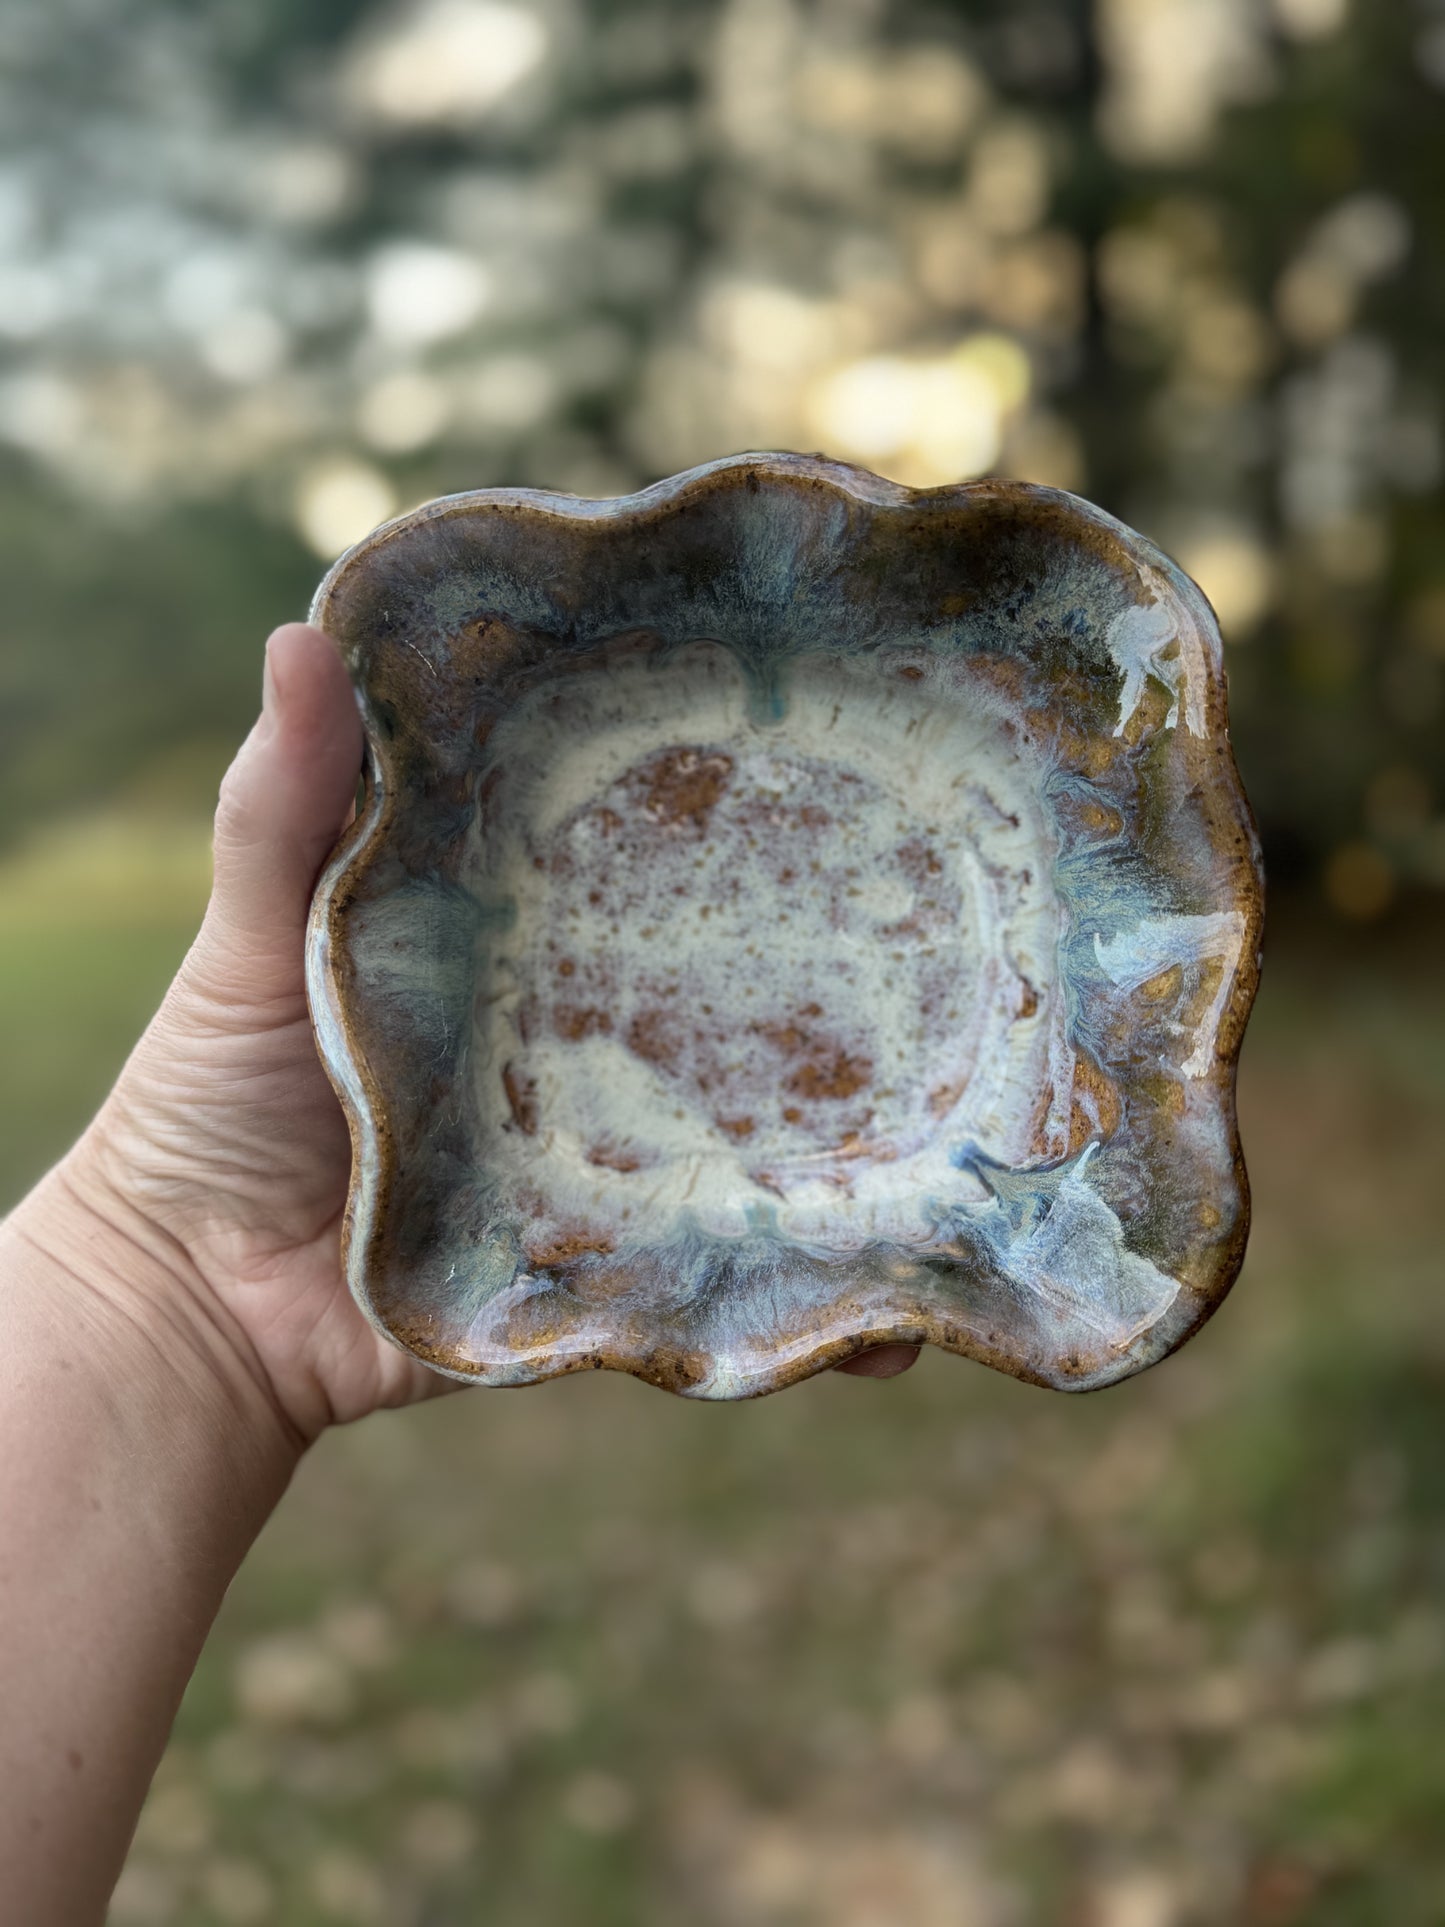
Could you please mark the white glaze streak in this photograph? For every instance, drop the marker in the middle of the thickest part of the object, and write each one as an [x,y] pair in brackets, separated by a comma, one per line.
[1161,640]
[1130,958]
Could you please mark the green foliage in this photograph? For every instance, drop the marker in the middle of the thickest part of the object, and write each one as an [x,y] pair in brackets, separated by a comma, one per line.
[127,642]
[687,220]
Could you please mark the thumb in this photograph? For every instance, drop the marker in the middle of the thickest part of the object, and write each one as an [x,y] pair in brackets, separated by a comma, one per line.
[285,798]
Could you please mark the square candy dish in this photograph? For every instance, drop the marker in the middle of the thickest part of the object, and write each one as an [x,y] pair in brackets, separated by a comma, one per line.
[788,913]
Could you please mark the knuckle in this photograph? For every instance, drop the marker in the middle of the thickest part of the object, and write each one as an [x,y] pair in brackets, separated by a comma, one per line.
[236,815]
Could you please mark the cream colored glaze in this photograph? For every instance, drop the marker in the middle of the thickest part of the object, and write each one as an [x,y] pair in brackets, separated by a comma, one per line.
[766,970]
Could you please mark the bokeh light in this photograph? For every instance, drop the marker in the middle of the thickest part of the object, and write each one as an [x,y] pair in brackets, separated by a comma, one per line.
[924,420]
[1236,572]
[417,293]
[340,501]
[445,60]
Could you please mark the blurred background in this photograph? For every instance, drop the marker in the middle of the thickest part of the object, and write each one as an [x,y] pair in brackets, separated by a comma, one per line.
[948,1652]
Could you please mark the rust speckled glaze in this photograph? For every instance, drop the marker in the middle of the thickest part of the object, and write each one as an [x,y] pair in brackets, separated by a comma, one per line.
[789,913]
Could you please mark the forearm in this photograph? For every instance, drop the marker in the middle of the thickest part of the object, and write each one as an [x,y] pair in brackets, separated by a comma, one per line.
[138,1460]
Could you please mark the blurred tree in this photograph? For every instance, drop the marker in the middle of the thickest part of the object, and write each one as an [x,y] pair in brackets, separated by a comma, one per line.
[269,273]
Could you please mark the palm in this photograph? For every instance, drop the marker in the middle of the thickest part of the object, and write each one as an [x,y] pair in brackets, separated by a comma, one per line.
[266,1230]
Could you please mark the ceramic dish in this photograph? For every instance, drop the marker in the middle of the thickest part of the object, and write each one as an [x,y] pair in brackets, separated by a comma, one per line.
[788,913]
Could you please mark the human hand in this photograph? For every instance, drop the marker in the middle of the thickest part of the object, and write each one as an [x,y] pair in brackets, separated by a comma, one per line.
[222,1150]
[223,1140]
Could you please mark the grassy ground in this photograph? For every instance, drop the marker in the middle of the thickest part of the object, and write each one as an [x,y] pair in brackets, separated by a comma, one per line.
[948,1652]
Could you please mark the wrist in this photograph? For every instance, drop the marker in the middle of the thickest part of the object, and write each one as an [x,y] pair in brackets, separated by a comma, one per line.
[123,1300]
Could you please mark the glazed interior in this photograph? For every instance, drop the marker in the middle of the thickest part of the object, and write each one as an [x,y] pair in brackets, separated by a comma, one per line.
[771,959]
